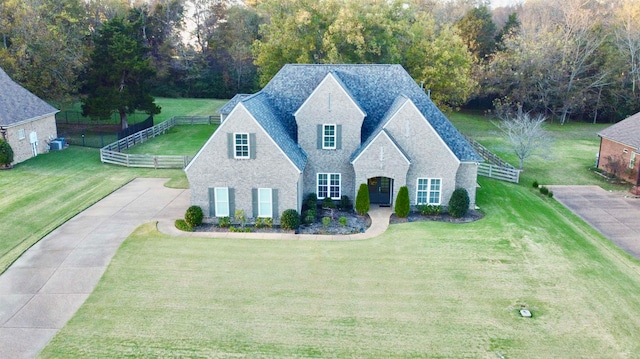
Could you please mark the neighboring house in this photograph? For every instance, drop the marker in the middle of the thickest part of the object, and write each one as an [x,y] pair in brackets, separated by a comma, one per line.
[26,122]
[619,148]
[326,129]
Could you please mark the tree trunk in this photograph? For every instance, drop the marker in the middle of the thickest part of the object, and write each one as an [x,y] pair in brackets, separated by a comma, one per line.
[124,122]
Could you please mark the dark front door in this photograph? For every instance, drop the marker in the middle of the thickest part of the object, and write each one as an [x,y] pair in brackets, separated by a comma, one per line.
[379,190]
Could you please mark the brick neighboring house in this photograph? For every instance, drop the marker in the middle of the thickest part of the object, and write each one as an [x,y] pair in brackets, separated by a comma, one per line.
[326,129]
[620,148]
[26,122]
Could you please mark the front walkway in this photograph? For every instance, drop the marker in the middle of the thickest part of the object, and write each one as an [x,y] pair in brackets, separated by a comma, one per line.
[614,214]
[44,288]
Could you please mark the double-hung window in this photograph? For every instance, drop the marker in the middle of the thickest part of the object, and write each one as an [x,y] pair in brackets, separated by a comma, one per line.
[222,201]
[428,191]
[241,145]
[265,203]
[329,137]
[328,185]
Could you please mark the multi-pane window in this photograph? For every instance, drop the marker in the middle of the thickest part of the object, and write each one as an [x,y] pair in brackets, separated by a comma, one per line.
[329,185]
[428,191]
[265,203]
[329,136]
[241,145]
[222,201]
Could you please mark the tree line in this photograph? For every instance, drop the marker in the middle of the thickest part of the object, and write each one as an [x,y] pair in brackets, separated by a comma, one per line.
[574,59]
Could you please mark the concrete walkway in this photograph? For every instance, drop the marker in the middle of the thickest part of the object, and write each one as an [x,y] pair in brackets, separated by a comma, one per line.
[614,214]
[44,288]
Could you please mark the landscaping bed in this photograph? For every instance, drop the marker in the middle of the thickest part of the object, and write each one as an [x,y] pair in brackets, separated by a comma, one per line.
[414,216]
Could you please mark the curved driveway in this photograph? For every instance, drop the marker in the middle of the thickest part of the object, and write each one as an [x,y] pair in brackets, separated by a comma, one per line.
[614,214]
[42,290]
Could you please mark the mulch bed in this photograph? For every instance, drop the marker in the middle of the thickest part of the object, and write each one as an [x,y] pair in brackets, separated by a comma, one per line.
[471,216]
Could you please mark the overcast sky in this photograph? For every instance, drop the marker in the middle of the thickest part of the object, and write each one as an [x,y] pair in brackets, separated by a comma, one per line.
[498,3]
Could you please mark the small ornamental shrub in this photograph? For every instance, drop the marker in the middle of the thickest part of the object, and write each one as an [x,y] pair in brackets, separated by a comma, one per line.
[182,225]
[224,222]
[535,184]
[544,190]
[403,206]
[459,203]
[268,222]
[326,221]
[194,216]
[290,219]
[6,153]
[429,209]
[310,216]
[345,202]
[343,221]
[550,194]
[259,222]
[327,202]
[311,202]
[239,229]
[362,200]
[240,218]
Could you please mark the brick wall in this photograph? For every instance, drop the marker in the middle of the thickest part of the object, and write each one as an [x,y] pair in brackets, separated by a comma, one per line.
[615,158]
[45,128]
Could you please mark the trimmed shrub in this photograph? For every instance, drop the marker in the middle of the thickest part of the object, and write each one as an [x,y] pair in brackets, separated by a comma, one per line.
[326,221]
[224,222]
[459,203]
[550,194]
[194,216]
[311,202]
[342,221]
[403,206]
[429,209]
[535,184]
[328,203]
[290,219]
[544,190]
[6,153]
[182,225]
[310,216]
[345,202]
[362,200]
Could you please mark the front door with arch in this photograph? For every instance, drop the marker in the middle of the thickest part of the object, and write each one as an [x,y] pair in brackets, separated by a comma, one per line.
[380,189]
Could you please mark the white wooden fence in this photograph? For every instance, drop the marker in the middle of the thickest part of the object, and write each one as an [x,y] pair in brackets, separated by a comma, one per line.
[501,173]
[112,153]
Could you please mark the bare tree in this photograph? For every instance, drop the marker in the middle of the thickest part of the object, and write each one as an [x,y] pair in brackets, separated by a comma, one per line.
[525,133]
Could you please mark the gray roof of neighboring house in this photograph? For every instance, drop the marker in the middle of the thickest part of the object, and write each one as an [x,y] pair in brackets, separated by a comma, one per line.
[17,104]
[626,131]
[375,88]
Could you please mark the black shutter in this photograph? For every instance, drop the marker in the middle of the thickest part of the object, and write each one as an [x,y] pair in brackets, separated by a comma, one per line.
[274,203]
[338,137]
[254,202]
[252,146]
[230,145]
[232,202]
[212,202]
[319,137]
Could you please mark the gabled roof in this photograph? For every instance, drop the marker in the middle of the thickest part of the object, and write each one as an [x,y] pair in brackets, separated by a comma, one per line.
[375,88]
[226,109]
[371,139]
[626,131]
[18,105]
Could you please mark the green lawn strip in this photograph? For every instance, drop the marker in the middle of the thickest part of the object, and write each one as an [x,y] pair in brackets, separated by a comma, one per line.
[424,289]
[567,161]
[42,193]
[172,107]
[179,140]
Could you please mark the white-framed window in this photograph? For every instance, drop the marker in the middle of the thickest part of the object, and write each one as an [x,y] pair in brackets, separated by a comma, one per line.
[328,185]
[329,137]
[241,145]
[265,203]
[632,160]
[222,201]
[428,191]
[21,135]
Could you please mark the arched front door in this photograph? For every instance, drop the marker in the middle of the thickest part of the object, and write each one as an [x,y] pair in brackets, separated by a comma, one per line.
[380,189]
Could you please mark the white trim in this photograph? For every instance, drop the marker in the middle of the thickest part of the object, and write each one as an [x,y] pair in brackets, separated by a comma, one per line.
[339,83]
[235,144]
[215,203]
[428,124]
[270,191]
[329,185]
[374,140]
[335,136]
[429,190]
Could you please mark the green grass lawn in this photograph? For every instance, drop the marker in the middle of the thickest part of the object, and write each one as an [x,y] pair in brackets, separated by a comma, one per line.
[567,161]
[179,140]
[425,289]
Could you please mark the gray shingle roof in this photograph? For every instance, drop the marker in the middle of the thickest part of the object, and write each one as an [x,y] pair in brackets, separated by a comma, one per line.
[374,87]
[626,131]
[18,105]
[226,109]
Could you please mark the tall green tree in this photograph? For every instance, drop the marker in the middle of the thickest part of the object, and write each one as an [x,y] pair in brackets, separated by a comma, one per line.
[117,77]
[478,31]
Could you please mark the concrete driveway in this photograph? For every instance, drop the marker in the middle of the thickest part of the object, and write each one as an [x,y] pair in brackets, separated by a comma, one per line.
[614,214]
[42,290]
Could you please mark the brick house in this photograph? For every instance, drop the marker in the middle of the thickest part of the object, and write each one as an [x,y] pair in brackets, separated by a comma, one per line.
[619,149]
[27,123]
[326,129]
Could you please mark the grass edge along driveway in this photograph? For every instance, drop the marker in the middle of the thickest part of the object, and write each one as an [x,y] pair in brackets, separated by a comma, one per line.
[424,289]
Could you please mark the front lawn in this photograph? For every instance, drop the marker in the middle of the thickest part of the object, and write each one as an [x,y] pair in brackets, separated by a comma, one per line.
[425,289]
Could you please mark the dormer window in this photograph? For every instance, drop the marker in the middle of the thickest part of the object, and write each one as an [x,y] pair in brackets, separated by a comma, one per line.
[329,137]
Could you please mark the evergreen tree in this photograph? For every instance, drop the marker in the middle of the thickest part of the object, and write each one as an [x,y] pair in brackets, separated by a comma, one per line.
[362,200]
[403,206]
[117,77]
